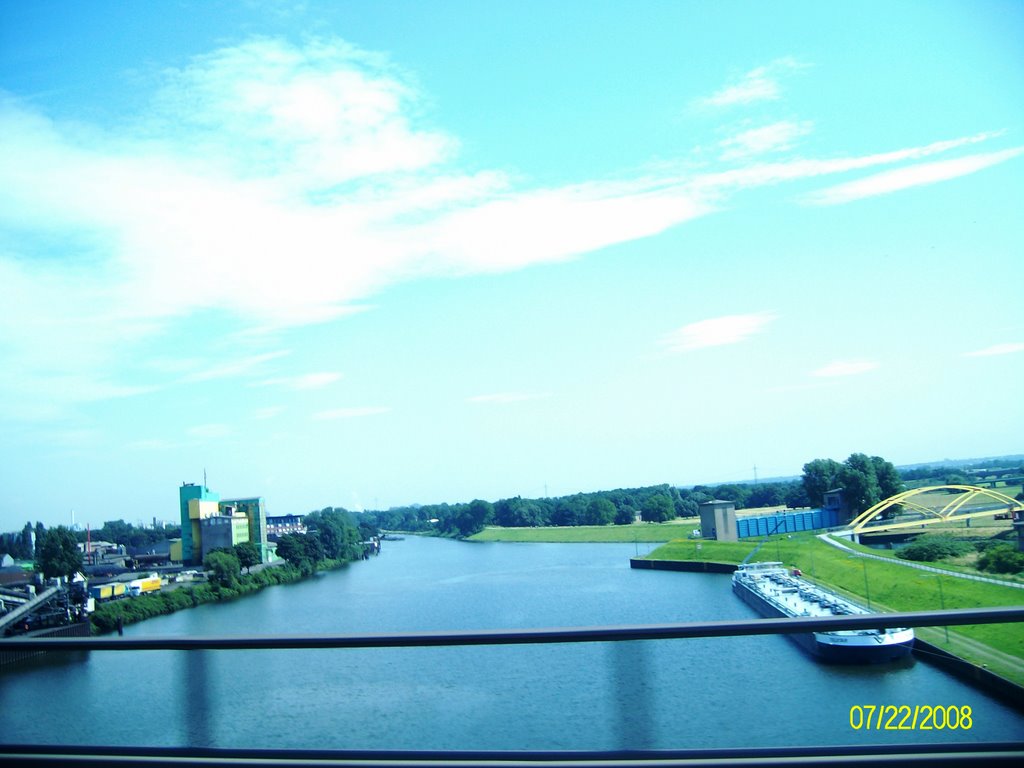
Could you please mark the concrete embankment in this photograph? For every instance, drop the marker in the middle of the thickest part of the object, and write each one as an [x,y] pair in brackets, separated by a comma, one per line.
[692,566]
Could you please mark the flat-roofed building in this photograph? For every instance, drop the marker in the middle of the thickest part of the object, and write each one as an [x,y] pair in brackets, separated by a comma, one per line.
[280,525]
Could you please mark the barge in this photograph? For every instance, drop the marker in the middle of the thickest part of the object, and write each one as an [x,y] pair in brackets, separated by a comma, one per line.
[774,592]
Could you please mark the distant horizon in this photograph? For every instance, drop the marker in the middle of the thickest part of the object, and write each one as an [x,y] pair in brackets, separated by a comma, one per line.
[388,252]
[778,479]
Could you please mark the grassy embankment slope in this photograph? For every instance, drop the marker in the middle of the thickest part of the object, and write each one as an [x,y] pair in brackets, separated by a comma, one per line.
[578,534]
[891,586]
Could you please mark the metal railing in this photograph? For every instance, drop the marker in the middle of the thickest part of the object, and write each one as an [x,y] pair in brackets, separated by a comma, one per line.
[915,754]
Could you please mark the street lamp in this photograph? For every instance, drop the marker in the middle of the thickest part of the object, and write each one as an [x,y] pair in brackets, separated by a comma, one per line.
[867,592]
[942,603]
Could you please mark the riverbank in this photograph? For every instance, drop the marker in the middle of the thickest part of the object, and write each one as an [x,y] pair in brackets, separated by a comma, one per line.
[109,616]
[887,586]
[644,533]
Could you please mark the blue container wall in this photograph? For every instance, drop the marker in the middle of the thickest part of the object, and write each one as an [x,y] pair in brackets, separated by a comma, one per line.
[813,520]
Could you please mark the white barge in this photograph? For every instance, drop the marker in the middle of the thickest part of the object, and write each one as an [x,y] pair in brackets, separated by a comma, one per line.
[774,592]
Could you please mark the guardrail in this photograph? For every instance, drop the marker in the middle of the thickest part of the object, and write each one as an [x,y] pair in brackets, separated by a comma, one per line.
[903,755]
[953,617]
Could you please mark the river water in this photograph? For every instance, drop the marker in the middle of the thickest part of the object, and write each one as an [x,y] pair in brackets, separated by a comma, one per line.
[666,694]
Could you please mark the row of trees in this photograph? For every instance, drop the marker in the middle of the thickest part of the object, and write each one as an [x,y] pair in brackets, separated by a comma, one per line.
[656,503]
[865,481]
[18,544]
[620,507]
[120,532]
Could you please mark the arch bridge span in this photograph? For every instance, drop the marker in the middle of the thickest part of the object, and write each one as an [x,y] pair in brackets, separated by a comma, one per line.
[966,499]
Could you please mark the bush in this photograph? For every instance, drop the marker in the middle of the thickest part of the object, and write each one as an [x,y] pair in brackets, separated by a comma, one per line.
[932,548]
[1002,558]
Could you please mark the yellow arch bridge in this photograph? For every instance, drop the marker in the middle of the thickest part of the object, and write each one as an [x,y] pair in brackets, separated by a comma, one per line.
[961,507]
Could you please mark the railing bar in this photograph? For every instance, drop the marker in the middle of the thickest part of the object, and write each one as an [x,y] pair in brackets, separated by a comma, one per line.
[899,754]
[530,636]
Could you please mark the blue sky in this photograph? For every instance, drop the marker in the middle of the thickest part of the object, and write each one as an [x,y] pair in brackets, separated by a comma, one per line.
[373,254]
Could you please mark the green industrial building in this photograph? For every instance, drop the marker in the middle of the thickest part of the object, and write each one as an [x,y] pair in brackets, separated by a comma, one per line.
[209,522]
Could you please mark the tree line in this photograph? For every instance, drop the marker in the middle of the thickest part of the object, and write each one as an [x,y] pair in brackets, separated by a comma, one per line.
[865,480]
[622,506]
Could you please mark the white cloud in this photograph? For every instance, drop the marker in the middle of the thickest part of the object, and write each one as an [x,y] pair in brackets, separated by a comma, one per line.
[997,349]
[762,174]
[846,368]
[233,367]
[350,413]
[775,137]
[912,176]
[716,331]
[760,84]
[319,115]
[503,398]
[306,381]
[271,186]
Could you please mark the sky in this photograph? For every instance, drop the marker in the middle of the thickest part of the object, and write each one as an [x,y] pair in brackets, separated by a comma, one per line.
[370,254]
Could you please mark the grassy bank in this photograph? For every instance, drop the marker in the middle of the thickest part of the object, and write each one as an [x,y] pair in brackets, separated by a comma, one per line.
[891,587]
[130,610]
[580,534]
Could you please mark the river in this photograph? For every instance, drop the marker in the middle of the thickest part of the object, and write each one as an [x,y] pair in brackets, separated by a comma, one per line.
[668,694]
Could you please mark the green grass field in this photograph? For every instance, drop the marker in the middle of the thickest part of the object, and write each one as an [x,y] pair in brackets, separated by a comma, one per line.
[640,532]
[891,587]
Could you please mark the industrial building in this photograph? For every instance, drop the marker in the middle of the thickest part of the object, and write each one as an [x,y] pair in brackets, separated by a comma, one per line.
[718,520]
[281,525]
[208,523]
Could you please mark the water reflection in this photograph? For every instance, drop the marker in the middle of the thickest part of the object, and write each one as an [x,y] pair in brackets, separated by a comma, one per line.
[197,725]
[632,694]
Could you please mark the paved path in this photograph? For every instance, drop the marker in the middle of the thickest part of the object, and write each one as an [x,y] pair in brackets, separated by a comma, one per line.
[1000,582]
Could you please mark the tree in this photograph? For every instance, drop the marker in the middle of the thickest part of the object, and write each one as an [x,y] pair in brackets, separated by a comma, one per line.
[624,516]
[518,512]
[478,514]
[117,531]
[889,481]
[796,496]
[339,534]
[820,475]
[57,553]
[26,541]
[859,483]
[569,510]
[658,509]
[687,507]
[293,548]
[766,495]
[600,511]
[248,555]
[223,567]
